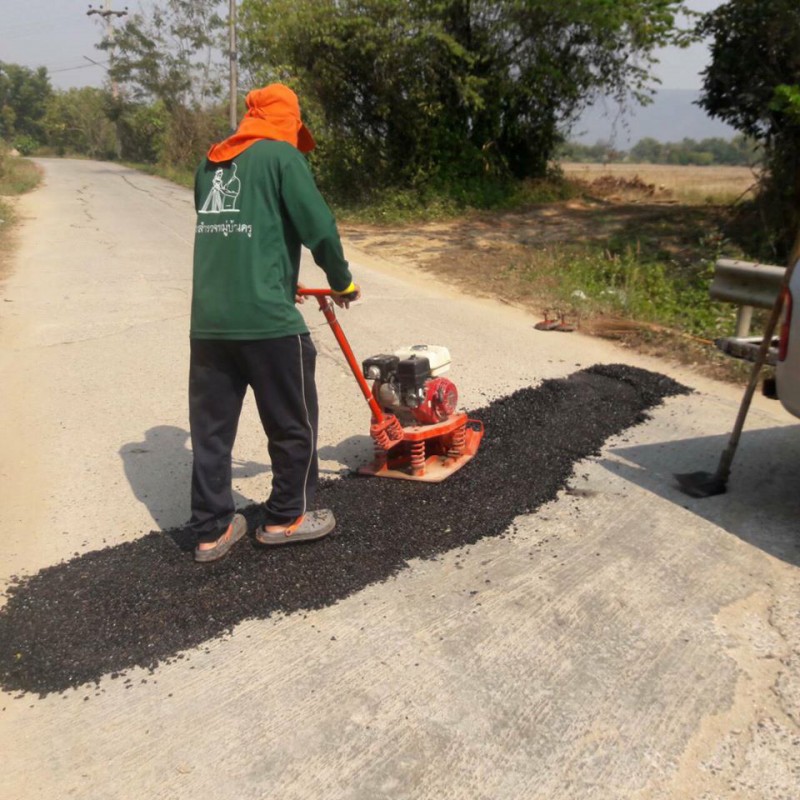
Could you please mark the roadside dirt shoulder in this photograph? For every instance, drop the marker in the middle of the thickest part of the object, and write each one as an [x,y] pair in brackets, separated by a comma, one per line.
[491,255]
[8,236]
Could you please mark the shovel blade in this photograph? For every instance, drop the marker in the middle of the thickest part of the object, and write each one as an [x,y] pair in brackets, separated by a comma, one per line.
[701,484]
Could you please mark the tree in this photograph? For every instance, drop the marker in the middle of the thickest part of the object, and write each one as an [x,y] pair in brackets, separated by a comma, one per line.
[601,152]
[24,94]
[648,151]
[408,91]
[170,55]
[76,121]
[169,67]
[753,84]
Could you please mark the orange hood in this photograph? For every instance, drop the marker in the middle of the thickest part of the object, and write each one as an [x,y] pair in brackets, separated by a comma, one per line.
[272,113]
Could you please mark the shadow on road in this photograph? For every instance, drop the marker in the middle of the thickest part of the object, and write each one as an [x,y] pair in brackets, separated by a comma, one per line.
[159,471]
[353,452]
[762,504]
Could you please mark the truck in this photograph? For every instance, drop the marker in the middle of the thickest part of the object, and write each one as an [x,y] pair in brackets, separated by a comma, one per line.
[752,285]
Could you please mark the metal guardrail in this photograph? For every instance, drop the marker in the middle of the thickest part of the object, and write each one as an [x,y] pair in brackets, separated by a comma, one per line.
[748,285]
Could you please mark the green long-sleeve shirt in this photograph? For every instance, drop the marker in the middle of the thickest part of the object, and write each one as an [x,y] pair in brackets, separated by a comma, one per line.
[253,215]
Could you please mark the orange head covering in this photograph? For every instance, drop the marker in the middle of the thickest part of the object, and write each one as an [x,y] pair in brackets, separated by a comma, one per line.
[272,113]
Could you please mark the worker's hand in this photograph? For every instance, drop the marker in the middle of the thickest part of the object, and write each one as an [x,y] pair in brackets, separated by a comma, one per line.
[299,299]
[343,299]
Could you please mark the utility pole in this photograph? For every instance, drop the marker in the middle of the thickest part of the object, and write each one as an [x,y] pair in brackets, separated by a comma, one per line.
[108,14]
[234,73]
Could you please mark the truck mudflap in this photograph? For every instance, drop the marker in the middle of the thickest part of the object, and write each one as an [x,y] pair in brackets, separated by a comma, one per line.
[746,348]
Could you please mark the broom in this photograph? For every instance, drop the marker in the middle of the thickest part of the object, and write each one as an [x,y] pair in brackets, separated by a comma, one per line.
[618,327]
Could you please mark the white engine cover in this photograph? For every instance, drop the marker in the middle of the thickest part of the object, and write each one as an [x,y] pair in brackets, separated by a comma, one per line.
[437,355]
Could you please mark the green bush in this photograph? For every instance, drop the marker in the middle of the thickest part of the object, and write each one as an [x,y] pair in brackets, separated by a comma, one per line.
[141,130]
[188,134]
[25,145]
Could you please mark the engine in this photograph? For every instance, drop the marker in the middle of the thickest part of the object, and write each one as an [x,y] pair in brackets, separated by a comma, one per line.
[409,382]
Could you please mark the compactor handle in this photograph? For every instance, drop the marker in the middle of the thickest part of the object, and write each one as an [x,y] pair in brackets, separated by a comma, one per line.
[326,306]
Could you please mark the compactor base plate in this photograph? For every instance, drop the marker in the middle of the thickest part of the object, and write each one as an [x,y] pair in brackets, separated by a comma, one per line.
[437,467]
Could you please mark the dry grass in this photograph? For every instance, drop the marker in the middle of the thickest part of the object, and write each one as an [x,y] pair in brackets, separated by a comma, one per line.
[718,185]
[17,175]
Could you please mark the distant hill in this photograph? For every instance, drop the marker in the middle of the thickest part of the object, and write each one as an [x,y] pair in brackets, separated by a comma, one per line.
[671,117]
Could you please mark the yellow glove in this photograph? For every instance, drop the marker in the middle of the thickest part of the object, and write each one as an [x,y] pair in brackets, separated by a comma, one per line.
[347,296]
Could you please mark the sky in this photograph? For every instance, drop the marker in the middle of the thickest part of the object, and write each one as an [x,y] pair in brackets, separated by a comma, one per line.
[59,35]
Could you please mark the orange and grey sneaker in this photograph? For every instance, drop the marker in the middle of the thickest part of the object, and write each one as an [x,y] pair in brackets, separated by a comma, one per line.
[313,525]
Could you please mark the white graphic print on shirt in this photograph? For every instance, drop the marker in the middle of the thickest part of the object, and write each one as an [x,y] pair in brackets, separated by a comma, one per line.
[223,195]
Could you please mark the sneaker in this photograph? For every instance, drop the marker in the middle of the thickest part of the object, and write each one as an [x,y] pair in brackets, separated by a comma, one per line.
[313,525]
[234,532]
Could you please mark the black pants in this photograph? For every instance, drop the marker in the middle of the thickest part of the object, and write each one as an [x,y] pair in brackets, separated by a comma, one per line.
[281,374]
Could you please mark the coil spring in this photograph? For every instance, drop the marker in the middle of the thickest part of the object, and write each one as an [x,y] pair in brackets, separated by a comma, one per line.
[458,442]
[381,456]
[381,438]
[418,457]
[386,433]
[394,429]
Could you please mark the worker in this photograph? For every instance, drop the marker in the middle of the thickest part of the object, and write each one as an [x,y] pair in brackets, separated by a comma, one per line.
[257,203]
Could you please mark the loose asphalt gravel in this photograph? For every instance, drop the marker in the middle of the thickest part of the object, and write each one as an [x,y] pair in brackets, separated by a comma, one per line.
[145,602]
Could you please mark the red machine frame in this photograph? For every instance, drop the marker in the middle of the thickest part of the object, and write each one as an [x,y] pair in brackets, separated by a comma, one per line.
[414,452]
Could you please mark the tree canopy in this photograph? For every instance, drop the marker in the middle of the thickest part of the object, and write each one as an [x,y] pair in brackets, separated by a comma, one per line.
[403,91]
[166,70]
[753,84]
[24,94]
[170,55]
[77,121]
[752,81]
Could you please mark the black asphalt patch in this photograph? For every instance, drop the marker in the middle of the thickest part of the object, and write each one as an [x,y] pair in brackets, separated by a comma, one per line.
[143,602]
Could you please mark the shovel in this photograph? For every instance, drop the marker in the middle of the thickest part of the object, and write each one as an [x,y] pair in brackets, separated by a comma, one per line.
[708,484]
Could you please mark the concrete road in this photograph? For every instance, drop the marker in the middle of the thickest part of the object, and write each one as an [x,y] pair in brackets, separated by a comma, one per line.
[625,641]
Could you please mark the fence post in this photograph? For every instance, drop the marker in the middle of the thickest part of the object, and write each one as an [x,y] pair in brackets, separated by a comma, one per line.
[744,317]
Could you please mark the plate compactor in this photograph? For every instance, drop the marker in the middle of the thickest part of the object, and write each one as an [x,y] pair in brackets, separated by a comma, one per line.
[417,432]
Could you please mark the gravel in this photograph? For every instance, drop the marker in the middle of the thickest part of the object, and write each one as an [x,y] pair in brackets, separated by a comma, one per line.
[144,602]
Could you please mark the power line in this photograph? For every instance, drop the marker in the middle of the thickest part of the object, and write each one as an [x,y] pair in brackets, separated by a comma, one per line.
[80,66]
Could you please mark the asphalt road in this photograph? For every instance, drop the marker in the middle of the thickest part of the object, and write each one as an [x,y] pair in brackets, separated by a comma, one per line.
[623,641]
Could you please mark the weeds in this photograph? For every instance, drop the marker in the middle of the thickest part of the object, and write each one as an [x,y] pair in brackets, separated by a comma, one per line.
[17,175]
[590,281]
